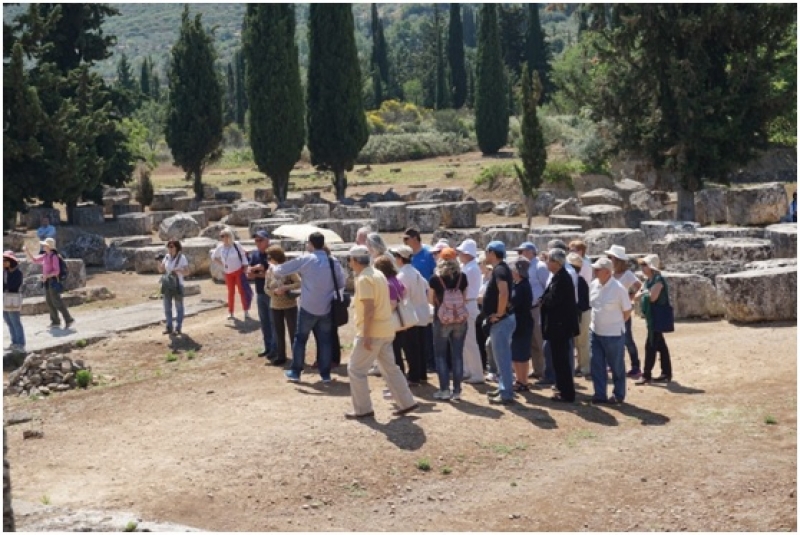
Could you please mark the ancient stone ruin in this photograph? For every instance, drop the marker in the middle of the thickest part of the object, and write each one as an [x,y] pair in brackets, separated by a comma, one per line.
[43,375]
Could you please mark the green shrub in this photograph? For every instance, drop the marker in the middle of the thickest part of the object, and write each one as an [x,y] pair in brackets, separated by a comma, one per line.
[559,172]
[449,122]
[424,465]
[233,158]
[489,175]
[144,187]
[83,378]
[389,148]
[171,357]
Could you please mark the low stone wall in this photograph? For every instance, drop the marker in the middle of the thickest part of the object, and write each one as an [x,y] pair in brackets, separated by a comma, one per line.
[760,295]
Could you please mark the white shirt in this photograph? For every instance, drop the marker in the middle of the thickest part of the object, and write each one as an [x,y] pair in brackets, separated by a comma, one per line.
[416,291]
[608,303]
[474,279]
[586,270]
[180,262]
[627,279]
[572,273]
[233,256]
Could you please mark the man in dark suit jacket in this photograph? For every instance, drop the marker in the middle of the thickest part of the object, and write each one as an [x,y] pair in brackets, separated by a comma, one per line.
[560,322]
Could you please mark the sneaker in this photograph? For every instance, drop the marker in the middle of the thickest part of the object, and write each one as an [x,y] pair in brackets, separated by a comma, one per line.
[491,377]
[501,401]
[493,393]
[443,395]
[246,315]
[635,373]
[230,317]
[327,380]
[374,372]
[168,330]
[292,376]
[69,324]
[456,396]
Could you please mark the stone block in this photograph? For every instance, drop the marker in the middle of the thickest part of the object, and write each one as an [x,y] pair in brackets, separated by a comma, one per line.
[627,187]
[312,212]
[485,207]
[349,228]
[109,202]
[119,210]
[647,200]
[512,237]
[604,216]
[553,229]
[710,206]
[741,249]
[545,202]
[707,269]
[584,223]
[456,236]
[212,231]
[601,196]
[145,260]
[131,241]
[244,212]
[85,215]
[570,207]
[31,273]
[732,232]
[187,203]
[760,204]
[264,195]
[681,248]
[269,224]
[162,199]
[157,217]
[541,240]
[215,212]
[784,239]
[759,295]
[769,264]
[425,217]
[84,245]
[692,296]
[198,253]
[35,213]
[227,196]
[391,216]
[501,225]
[584,183]
[178,227]
[13,241]
[441,195]
[599,240]
[459,214]
[658,230]
[119,258]
[200,217]
[508,209]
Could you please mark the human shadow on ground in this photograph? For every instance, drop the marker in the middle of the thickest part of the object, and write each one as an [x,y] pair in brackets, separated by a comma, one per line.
[538,417]
[581,407]
[402,431]
[677,388]
[244,327]
[476,410]
[183,342]
[316,387]
[645,416]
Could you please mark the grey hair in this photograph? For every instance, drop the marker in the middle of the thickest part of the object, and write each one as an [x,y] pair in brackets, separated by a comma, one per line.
[363,260]
[557,244]
[558,255]
[363,231]
[375,244]
[226,232]
[448,268]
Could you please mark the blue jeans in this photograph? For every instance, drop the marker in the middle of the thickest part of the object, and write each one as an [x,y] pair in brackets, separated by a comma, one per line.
[608,351]
[267,328]
[454,335]
[500,337]
[549,372]
[178,310]
[630,345]
[14,322]
[322,326]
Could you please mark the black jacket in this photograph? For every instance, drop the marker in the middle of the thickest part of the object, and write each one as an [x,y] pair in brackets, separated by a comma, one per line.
[559,310]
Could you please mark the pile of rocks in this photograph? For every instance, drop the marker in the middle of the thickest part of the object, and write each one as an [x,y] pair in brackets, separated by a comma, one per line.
[42,375]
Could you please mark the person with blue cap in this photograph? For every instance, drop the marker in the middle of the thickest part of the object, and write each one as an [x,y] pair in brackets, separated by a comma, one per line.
[257,270]
[497,304]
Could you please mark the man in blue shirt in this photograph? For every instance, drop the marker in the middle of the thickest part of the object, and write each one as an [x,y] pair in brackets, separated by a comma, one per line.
[257,270]
[45,230]
[423,261]
[316,293]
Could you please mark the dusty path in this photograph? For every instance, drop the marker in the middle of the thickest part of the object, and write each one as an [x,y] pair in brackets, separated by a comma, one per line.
[221,442]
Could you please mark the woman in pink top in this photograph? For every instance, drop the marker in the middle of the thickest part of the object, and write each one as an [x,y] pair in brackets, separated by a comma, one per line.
[51,269]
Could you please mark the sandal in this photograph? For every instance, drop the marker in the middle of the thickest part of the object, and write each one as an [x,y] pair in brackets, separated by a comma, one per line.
[520,387]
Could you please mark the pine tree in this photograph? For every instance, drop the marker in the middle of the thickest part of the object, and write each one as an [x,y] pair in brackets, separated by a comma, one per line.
[455,56]
[532,150]
[125,74]
[537,52]
[469,26]
[276,130]
[491,106]
[194,111]
[337,125]
[442,93]
[144,78]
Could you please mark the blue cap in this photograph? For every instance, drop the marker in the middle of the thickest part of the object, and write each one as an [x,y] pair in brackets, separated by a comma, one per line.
[527,246]
[262,234]
[497,247]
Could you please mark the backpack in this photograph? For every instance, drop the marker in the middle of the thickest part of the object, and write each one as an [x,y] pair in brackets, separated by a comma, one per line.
[583,295]
[63,271]
[453,308]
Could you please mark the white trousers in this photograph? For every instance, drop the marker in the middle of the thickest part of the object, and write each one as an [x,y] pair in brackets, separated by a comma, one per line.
[473,367]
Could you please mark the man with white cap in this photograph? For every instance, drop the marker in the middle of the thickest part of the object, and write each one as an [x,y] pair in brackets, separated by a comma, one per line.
[611,308]
[374,335]
[51,272]
[467,255]
[538,275]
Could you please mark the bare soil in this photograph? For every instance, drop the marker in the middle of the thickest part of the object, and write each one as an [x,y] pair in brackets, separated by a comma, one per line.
[219,441]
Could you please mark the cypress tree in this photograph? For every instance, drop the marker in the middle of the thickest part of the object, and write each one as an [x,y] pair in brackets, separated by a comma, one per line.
[230,95]
[156,85]
[274,92]
[441,74]
[337,126]
[491,106]
[537,53]
[531,149]
[194,111]
[241,94]
[144,78]
[469,26]
[379,60]
[124,73]
[455,56]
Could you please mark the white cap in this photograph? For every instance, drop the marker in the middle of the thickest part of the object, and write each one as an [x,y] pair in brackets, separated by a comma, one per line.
[468,247]
[603,263]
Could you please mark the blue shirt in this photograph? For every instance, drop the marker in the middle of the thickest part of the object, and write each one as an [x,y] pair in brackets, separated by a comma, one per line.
[316,283]
[46,232]
[424,263]
[538,275]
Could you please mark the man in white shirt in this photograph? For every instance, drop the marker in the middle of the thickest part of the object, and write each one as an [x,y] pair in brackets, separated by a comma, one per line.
[611,308]
[538,276]
[467,255]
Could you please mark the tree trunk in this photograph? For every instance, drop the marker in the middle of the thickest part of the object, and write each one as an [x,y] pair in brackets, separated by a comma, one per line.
[529,209]
[71,212]
[685,209]
[198,183]
[340,183]
[280,187]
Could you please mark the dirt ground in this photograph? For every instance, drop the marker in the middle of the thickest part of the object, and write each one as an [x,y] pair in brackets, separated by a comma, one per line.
[219,441]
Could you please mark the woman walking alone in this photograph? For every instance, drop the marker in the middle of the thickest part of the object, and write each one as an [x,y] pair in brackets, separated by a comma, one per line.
[51,270]
[175,263]
[232,257]
[12,301]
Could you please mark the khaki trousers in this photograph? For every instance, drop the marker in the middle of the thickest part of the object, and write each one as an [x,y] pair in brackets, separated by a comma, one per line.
[360,361]
[582,344]
[537,343]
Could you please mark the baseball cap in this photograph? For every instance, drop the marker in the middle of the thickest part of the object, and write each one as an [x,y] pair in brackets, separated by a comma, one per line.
[527,246]
[440,245]
[603,263]
[263,234]
[497,247]
[448,253]
[468,247]
[403,251]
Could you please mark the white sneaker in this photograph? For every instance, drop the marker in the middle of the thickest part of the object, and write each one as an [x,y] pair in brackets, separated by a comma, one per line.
[491,378]
[374,371]
[246,315]
[442,394]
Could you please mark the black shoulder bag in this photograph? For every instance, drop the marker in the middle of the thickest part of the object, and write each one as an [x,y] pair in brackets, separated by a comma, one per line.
[339,304]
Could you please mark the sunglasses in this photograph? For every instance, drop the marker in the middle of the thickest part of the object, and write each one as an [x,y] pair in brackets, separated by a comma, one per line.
[170,247]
